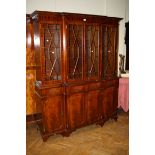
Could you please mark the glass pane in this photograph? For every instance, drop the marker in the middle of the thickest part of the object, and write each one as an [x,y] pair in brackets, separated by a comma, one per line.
[74,47]
[52,43]
[109,49]
[92,50]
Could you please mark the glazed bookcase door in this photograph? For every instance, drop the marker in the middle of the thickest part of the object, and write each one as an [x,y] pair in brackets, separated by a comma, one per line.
[109,55]
[51,45]
[75,52]
[92,51]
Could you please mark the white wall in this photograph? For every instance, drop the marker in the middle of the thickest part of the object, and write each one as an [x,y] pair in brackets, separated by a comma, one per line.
[113,8]
[75,6]
[42,5]
[81,6]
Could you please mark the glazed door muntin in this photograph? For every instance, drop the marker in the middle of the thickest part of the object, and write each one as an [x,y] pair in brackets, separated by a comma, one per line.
[92,43]
[51,43]
[109,53]
[75,51]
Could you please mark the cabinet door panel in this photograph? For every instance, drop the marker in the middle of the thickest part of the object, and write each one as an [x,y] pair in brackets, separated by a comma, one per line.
[75,51]
[92,106]
[53,114]
[92,51]
[109,101]
[51,43]
[109,45]
[76,110]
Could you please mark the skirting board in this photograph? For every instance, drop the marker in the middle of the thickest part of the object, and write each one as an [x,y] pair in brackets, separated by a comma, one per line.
[32,118]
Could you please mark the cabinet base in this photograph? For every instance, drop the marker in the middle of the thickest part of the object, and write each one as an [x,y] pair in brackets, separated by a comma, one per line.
[114,116]
[44,137]
[68,132]
[101,123]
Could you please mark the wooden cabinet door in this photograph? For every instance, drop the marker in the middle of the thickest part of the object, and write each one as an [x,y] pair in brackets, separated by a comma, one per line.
[109,101]
[53,113]
[74,51]
[51,42]
[75,110]
[92,50]
[109,51]
[92,109]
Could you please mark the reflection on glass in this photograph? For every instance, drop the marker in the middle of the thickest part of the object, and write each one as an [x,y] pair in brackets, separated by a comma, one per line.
[92,50]
[109,47]
[74,47]
[52,45]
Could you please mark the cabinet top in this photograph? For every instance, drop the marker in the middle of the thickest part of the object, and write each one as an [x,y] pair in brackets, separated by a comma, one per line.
[46,15]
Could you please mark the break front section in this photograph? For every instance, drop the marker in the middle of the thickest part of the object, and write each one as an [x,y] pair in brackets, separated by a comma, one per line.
[83,69]
[75,89]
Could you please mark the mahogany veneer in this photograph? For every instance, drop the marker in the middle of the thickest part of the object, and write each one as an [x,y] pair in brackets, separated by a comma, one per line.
[76,70]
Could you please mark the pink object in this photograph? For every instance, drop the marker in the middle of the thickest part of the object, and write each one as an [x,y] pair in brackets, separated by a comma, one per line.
[123,94]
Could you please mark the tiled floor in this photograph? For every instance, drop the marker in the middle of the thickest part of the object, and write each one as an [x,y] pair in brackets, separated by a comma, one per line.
[111,139]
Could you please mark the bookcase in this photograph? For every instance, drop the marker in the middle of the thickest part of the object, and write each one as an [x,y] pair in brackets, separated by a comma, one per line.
[76,70]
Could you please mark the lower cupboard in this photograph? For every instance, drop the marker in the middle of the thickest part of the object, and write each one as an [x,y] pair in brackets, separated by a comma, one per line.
[65,108]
